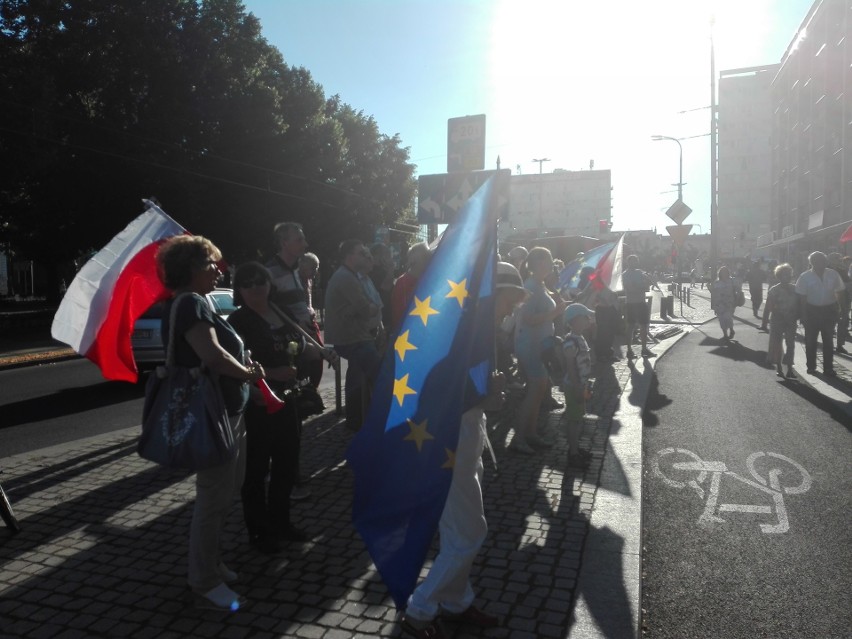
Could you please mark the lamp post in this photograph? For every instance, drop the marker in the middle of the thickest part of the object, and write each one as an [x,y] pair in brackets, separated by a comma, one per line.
[540,188]
[657,138]
[540,162]
[714,157]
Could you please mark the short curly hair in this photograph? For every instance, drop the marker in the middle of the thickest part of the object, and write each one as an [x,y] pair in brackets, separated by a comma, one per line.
[179,256]
[783,273]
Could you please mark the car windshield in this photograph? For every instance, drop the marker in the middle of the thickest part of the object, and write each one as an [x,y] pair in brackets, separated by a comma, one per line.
[222,302]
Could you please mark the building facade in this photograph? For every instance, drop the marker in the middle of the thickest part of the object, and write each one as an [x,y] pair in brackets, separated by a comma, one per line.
[811,191]
[745,151]
[559,203]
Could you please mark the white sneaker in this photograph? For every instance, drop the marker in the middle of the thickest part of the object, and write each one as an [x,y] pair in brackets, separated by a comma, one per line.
[219,598]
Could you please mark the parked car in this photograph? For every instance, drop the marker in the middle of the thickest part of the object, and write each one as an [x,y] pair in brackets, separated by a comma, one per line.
[147,341]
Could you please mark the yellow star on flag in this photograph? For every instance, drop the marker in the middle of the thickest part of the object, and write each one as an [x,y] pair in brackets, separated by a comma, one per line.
[458,290]
[451,459]
[418,433]
[402,345]
[401,389]
[423,310]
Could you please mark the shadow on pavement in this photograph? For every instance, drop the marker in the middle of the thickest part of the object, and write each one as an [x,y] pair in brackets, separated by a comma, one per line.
[655,401]
[52,474]
[69,401]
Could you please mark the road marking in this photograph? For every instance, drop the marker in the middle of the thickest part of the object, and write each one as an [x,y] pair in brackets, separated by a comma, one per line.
[796,476]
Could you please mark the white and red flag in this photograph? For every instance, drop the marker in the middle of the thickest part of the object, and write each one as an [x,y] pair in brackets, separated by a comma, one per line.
[111,291]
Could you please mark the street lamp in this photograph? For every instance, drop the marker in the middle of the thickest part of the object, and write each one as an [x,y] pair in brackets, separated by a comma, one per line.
[540,188]
[540,162]
[657,138]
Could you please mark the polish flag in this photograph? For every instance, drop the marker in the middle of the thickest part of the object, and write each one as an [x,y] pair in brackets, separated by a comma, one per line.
[609,269]
[111,291]
[607,260]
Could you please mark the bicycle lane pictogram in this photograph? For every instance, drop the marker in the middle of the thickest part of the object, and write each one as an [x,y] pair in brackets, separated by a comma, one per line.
[680,468]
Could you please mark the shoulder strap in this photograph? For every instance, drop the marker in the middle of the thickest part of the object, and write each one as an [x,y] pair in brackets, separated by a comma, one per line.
[170,352]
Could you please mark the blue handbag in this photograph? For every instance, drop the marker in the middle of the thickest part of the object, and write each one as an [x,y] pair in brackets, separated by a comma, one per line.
[184,421]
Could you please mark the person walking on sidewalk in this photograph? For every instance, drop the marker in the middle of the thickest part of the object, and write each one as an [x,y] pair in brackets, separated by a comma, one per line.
[836,261]
[350,316]
[819,290]
[446,591]
[782,313]
[723,300]
[189,264]
[576,384]
[636,284]
[534,323]
[756,278]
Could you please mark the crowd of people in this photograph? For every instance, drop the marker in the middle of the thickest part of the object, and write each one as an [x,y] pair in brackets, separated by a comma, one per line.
[556,335]
[274,335]
[550,333]
[819,299]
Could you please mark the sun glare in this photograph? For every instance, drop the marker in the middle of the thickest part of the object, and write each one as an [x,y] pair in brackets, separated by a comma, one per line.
[575,81]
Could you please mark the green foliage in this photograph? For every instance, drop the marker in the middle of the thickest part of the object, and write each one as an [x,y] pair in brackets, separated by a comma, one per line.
[104,103]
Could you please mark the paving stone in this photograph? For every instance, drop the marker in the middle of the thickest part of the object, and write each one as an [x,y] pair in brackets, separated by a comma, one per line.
[112,562]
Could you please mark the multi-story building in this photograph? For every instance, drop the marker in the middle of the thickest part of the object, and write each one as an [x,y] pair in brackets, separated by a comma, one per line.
[812,136]
[559,203]
[744,178]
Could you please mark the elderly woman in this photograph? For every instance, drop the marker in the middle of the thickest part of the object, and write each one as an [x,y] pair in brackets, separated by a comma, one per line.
[782,312]
[534,323]
[189,264]
[723,300]
[273,439]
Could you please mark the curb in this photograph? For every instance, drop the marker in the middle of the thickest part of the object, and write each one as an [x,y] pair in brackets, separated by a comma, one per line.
[611,564]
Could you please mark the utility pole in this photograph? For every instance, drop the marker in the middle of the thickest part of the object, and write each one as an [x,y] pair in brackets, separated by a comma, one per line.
[540,162]
[714,212]
[540,189]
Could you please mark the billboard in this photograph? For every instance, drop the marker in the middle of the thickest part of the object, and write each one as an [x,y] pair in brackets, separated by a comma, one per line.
[466,143]
[440,196]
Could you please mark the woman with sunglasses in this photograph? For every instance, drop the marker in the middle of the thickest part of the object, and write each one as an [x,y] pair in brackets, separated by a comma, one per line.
[190,264]
[273,438]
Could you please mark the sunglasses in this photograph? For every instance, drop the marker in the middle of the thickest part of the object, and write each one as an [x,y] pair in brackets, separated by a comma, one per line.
[255,282]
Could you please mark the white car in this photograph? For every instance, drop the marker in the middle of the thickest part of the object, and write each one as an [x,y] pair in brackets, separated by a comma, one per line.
[147,340]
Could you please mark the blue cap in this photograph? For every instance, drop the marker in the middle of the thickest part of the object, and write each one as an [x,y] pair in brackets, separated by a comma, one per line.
[577,310]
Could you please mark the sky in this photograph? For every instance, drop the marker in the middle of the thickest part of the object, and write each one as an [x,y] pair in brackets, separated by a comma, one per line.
[568,80]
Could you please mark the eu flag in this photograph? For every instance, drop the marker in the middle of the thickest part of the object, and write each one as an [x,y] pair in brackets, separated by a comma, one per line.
[437,368]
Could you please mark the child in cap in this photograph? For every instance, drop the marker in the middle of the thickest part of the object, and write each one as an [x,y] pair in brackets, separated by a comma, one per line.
[575,382]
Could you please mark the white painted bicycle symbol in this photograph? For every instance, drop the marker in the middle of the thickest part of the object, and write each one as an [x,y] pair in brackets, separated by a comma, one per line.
[685,469]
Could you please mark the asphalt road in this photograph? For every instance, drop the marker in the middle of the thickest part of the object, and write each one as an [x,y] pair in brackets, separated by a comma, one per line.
[51,404]
[56,403]
[729,552]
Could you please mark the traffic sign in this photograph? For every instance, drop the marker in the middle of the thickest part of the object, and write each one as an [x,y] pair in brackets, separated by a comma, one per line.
[679,232]
[439,197]
[466,143]
[678,211]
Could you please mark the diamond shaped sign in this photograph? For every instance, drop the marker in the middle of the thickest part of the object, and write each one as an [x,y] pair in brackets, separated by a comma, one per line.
[678,212]
[679,232]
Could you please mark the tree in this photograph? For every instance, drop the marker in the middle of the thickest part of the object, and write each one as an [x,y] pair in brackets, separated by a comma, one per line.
[105,103]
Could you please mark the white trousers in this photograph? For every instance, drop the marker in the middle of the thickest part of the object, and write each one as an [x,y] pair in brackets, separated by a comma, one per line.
[214,494]
[462,530]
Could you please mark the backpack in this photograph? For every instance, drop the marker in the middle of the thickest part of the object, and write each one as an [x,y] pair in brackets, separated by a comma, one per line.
[555,352]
